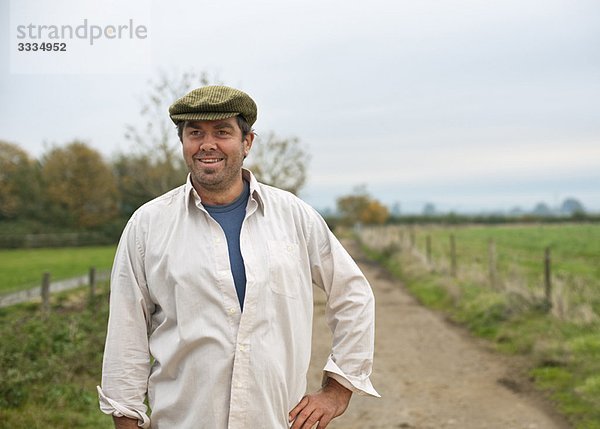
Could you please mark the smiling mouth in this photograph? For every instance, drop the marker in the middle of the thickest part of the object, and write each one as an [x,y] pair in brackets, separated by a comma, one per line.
[210,160]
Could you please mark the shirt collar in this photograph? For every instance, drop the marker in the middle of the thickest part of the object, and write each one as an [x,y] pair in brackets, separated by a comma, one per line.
[255,191]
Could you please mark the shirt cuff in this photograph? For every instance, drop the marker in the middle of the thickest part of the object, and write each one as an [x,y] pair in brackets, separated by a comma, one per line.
[112,407]
[359,385]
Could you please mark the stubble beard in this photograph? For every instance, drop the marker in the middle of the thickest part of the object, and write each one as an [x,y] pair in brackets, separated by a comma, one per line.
[216,181]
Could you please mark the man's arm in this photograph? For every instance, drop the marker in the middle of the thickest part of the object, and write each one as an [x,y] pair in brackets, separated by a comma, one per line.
[322,406]
[350,311]
[126,360]
[125,423]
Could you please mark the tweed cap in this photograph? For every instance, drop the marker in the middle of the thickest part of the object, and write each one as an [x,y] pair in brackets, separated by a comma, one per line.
[213,102]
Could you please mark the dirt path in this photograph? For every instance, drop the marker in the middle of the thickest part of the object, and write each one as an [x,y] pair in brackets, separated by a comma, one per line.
[431,374]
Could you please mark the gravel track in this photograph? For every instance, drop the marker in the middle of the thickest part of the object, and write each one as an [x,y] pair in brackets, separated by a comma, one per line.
[431,374]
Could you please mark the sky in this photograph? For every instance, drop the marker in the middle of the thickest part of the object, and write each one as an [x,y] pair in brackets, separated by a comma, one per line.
[474,106]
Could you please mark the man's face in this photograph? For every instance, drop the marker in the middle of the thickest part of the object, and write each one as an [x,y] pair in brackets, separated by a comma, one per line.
[214,152]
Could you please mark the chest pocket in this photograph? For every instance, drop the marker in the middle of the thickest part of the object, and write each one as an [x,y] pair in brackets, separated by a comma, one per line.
[284,266]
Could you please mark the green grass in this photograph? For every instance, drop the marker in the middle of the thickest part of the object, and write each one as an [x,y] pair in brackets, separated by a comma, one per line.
[575,251]
[51,364]
[574,246]
[564,353]
[23,268]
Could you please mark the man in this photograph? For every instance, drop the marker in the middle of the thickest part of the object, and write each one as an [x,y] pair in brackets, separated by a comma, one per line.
[211,294]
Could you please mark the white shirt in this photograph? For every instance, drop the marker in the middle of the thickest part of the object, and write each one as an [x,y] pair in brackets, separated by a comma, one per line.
[176,331]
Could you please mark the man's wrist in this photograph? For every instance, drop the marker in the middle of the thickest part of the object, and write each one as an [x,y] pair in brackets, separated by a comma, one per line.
[333,384]
[125,423]
[339,379]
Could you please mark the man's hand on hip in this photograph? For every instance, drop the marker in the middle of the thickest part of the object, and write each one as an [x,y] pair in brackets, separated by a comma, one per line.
[322,407]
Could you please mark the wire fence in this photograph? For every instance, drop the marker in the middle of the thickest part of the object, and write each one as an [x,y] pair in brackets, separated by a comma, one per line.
[47,288]
[554,273]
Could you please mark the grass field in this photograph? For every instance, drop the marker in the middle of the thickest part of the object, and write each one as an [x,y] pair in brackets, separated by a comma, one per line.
[575,247]
[563,344]
[519,254]
[23,268]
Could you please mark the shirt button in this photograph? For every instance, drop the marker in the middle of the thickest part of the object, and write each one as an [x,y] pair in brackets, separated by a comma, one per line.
[231,310]
[242,348]
[218,240]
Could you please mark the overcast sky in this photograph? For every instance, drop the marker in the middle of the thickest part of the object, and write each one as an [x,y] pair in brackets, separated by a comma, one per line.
[470,105]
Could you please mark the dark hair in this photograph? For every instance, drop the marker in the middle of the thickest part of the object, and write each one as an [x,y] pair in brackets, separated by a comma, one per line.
[244,126]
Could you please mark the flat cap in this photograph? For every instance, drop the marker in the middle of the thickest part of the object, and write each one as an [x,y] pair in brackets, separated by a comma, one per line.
[213,102]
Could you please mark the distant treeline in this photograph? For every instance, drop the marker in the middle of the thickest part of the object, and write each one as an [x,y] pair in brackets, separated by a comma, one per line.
[73,189]
[457,219]
[460,219]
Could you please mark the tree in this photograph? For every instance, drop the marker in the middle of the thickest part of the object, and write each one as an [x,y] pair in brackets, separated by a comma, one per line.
[542,210]
[132,175]
[79,187]
[19,182]
[396,209]
[571,207]
[350,208]
[279,162]
[361,207]
[429,210]
[374,213]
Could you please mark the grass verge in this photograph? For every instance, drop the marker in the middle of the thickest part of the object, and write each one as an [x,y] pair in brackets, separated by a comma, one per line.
[23,268]
[50,364]
[565,356]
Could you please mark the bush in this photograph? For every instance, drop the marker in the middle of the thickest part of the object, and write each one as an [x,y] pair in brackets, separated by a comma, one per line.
[51,364]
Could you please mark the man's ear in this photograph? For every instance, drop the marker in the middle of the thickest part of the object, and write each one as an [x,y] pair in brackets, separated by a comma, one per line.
[248,140]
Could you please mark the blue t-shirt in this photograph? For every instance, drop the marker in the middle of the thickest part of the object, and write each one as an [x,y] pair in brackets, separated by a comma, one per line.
[230,217]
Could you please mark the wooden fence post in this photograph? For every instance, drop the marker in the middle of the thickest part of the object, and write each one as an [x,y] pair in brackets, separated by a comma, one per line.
[428,248]
[412,237]
[92,282]
[452,255]
[492,263]
[46,293]
[548,277]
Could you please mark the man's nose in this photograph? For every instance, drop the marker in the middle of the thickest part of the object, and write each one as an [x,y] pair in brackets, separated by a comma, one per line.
[208,143]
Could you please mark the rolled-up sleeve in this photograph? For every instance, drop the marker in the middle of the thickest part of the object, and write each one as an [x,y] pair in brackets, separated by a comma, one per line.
[350,311]
[126,362]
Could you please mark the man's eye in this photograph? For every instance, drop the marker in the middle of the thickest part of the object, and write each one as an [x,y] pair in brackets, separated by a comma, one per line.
[222,133]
